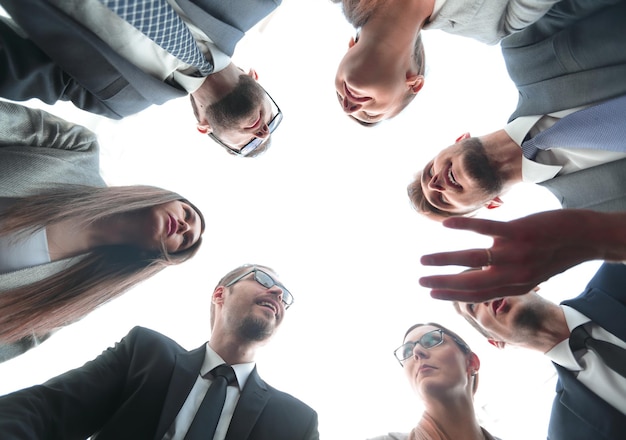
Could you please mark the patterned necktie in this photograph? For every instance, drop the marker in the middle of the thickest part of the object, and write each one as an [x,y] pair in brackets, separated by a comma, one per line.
[600,127]
[612,355]
[210,410]
[157,20]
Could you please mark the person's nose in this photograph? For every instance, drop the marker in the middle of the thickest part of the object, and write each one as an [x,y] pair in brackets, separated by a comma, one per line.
[348,106]
[276,290]
[436,182]
[263,131]
[183,226]
[419,352]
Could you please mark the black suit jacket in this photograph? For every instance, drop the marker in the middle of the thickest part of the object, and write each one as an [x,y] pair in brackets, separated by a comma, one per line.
[135,390]
[578,413]
[63,60]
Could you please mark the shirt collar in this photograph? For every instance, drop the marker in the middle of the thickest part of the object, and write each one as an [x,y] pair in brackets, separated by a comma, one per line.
[531,171]
[212,360]
[561,353]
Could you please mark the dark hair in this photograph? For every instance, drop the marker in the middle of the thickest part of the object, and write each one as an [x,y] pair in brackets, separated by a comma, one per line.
[97,277]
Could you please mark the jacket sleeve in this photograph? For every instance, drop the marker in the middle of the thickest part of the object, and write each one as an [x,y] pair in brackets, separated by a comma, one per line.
[24,126]
[73,405]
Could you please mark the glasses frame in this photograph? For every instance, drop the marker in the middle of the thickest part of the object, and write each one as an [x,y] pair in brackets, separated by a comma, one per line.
[460,343]
[255,142]
[286,292]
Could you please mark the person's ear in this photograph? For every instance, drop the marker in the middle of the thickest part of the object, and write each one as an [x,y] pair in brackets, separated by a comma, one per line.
[351,43]
[218,295]
[496,202]
[252,74]
[473,363]
[497,344]
[463,136]
[204,128]
[415,82]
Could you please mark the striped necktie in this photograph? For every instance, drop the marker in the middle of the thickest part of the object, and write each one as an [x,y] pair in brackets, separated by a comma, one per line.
[157,20]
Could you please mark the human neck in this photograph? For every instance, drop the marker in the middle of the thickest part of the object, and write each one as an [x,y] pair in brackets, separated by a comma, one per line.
[437,416]
[554,330]
[505,155]
[392,34]
[233,349]
[68,239]
[217,85]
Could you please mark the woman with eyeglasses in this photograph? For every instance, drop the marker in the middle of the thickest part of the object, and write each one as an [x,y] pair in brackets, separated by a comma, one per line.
[443,372]
[69,243]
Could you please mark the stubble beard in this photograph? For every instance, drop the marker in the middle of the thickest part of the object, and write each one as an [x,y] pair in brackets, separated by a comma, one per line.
[530,320]
[255,329]
[480,169]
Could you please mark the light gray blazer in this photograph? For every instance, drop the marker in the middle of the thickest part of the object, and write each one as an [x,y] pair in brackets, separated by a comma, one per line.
[39,150]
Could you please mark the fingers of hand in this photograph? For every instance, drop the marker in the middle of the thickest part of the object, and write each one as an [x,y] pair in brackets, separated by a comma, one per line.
[469,258]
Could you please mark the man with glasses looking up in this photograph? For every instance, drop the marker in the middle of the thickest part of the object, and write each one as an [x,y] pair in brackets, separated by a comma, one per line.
[118,57]
[147,386]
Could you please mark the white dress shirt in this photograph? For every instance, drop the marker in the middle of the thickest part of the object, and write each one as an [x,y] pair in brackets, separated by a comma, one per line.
[189,409]
[588,367]
[557,161]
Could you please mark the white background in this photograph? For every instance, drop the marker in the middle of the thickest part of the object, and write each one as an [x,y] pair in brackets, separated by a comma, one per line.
[327,208]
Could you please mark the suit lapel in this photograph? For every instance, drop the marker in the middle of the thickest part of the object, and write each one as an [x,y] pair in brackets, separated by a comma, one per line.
[185,372]
[253,399]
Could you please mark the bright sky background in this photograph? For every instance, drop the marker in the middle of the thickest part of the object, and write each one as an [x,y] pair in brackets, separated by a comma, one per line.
[326,207]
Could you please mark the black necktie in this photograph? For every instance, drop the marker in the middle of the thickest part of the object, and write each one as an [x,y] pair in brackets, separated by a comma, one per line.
[205,422]
[612,355]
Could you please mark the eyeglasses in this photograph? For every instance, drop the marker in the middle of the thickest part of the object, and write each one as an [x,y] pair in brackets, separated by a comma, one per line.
[428,341]
[255,142]
[266,281]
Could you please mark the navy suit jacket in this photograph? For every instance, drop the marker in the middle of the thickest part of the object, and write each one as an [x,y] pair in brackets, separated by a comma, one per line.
[63,60]
[135,390]
[578,413]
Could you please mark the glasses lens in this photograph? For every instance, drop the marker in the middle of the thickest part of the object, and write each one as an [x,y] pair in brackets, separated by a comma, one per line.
[263,279]
[406,351]
[431,339]
[267,281]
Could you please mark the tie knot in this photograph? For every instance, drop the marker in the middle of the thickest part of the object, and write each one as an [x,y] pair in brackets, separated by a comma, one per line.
[225,371]
[578,338]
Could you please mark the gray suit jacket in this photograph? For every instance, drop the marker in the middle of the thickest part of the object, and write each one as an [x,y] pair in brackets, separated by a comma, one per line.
[572,56]
[63,60]
[39,150]
[575,55]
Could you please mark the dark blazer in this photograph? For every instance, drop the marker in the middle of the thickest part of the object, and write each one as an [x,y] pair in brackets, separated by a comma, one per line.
[572,56]
[63,60]
[134,390]
[578,413]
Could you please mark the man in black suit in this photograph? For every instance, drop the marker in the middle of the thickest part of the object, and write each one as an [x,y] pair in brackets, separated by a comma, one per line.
[148,387]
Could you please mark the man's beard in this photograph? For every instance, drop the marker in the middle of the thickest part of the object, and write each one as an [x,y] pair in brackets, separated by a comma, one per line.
[530,319]
[254,329]
[240,103]
[480,169]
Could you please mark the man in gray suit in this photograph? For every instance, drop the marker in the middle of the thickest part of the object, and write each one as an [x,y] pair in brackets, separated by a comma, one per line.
[560,64]
[105,63]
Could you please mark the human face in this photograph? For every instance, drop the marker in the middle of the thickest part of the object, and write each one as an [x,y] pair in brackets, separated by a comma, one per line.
[441,369]
[509,320]
[175,224]
[245,114]
[251,307]
[460,179]
[371,91]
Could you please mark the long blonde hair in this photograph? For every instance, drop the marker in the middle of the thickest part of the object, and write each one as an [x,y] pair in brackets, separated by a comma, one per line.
[101,275]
